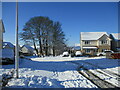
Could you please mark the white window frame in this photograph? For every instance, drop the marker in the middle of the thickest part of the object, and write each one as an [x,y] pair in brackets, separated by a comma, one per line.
[87,42]
[104,42]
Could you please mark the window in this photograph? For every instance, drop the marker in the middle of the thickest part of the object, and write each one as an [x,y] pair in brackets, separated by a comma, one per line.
[87,50]
[104,42]
[87,42]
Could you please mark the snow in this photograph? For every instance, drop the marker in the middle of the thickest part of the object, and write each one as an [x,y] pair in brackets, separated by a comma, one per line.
[92,35]
[28,47]
[89,47]
[78,53]
[65,53]
[58,72]
[116,35]
[8,44]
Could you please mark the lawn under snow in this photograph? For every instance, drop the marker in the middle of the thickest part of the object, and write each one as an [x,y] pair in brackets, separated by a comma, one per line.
[55,72]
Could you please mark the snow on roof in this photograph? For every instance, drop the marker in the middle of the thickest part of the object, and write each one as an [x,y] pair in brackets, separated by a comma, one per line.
[77,44]
[9,44]
[36,46]
[116,35]
[92,35]
[89,47]
[28,47]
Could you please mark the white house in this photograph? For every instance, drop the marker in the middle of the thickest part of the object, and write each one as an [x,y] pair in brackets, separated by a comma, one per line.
[27,50]
[94,42]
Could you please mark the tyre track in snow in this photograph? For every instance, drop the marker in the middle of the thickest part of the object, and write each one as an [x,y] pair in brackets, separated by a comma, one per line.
[93,77]
[103,70]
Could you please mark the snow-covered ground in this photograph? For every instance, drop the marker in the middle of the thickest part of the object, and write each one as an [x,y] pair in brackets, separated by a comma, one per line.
[56,72]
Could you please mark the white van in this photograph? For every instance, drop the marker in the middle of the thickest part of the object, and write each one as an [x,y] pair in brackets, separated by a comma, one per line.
[78,53]
[65,54]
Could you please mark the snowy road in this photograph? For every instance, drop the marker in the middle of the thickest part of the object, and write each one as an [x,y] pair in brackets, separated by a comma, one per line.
[54,72]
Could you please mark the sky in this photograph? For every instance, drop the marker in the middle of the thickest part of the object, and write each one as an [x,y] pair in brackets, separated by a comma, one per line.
[75,17]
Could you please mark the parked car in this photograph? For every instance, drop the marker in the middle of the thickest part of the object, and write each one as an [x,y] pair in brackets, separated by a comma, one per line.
[108,51]
[7,56]
[104,53]
[101,54]
[65,54]
[78,53]
[115,55]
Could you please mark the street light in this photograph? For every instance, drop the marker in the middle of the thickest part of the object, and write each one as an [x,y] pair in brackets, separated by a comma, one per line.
[16,47]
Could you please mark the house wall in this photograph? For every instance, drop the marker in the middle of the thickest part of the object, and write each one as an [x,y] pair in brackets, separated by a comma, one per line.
[92,51]
[118,43]
[1,40]
[106,46]
[114,43]
[104,37]
[97,43]
[92,43]
[25,50]
[1,36]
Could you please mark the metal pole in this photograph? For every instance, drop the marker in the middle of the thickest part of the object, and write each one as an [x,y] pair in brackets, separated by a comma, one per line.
[17,48]
[81,42]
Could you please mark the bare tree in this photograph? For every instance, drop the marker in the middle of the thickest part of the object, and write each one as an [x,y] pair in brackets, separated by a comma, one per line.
[46,33]
[58,38]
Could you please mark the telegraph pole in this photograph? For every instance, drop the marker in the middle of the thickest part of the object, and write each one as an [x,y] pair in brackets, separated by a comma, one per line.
[16,47]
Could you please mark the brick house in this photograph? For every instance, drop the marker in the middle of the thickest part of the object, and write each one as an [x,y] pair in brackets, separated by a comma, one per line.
[94,42]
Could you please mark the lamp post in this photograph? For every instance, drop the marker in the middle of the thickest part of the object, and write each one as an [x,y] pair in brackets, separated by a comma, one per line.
[16,47]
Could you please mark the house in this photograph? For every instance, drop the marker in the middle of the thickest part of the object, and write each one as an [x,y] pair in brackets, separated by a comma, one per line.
[8,50]
[27,50]
[115,43]
[93,43]
[2,30]
[8,45]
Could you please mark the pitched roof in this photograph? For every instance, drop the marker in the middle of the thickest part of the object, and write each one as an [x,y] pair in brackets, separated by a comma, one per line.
[8,44]
[2,26]
[28,47]
[116,36]
[92,35]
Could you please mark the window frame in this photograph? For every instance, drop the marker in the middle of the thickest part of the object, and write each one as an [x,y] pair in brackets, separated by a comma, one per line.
[88,51]
[102,42]
[87,42]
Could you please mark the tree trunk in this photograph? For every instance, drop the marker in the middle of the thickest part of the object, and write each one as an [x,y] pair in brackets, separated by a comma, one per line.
[35,47]
[46,48]
[53,51]
[40,44]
